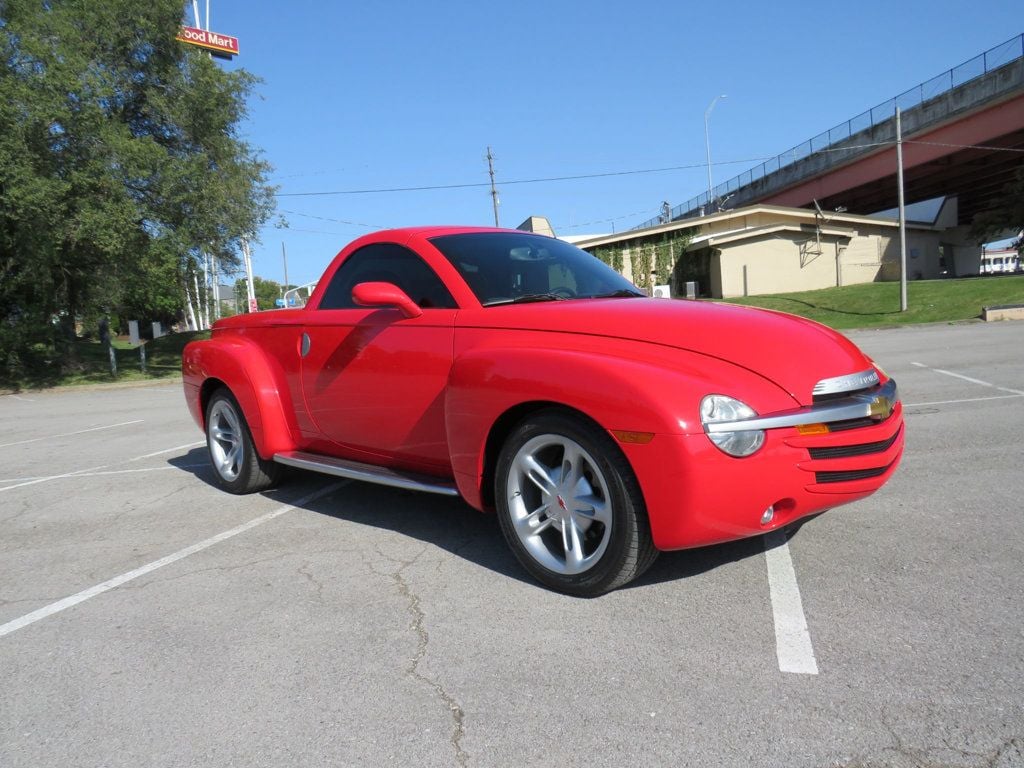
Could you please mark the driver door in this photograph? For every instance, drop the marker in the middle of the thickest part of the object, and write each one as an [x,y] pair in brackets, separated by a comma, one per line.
[374,380]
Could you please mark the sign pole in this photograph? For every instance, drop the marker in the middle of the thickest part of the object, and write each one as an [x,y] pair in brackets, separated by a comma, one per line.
[250,288]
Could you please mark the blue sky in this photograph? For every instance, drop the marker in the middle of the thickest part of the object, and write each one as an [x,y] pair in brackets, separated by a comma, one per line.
[382,95]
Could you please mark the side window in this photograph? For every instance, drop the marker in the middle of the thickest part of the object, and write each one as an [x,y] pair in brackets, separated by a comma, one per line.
[387,263]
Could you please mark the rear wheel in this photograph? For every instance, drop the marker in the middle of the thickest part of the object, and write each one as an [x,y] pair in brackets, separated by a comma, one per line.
[236,465]
[570,507]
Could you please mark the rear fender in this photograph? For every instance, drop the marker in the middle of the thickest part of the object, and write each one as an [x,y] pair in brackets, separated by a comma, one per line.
[255,380]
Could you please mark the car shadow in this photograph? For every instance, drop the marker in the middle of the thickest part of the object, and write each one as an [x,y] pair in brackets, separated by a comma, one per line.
[688,563]
[454,526]
[197,463]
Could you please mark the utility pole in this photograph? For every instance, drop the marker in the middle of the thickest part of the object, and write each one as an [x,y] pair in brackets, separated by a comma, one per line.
[903,214]
[494,190]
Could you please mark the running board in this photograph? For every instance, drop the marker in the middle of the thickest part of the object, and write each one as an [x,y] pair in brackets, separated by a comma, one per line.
[369,473]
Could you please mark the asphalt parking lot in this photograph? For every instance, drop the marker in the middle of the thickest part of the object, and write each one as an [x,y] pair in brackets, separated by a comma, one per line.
[147,618]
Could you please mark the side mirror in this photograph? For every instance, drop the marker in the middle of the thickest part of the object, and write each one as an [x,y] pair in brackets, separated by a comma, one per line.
[385,295]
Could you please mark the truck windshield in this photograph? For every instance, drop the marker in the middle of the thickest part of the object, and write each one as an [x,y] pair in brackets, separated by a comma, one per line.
[508,267]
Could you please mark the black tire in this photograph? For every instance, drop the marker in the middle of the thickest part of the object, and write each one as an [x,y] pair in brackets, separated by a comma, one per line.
[236,465]
[570,506]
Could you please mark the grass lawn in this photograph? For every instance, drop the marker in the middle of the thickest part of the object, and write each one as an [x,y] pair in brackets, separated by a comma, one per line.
[92,363]
[874,304]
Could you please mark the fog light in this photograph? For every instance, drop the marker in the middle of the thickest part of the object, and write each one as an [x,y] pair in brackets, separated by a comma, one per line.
[768,514]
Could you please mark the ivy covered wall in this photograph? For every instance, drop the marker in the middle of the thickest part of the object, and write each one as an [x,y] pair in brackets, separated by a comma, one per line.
[664,254]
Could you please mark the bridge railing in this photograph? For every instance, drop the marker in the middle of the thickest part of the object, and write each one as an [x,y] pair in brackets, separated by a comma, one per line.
[980,65]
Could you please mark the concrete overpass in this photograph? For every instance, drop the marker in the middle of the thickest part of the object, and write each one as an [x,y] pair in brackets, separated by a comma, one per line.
[963,134]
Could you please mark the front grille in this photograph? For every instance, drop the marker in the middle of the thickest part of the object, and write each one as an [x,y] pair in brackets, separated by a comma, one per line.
[845,477]
[845,451]
[816,399]
[842,426]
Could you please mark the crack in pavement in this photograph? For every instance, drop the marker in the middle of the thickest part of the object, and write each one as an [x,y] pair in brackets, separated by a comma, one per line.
[423,640]
[918,757]
[196,571]
[1009,753]
[303,570]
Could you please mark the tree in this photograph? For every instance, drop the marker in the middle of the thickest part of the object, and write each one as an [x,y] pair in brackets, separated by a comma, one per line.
[120,165]
[267,292]
[1007,216]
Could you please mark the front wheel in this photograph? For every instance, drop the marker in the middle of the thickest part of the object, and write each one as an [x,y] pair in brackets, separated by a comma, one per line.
[236,465]
[570,507]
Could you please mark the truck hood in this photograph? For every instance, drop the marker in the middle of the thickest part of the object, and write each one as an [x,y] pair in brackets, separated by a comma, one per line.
[793,352]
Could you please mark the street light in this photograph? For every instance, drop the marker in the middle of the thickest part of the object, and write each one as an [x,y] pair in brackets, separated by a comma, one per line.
[707,141]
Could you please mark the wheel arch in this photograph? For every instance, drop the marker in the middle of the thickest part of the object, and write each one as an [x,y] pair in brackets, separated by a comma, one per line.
[255,382]
[503,427]
[206,390]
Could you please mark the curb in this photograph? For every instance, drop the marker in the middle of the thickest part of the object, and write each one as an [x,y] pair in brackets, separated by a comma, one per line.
[95,387]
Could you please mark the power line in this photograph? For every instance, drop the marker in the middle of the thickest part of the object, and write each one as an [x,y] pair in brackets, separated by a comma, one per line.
[605,221]
[432,187]
[337,221]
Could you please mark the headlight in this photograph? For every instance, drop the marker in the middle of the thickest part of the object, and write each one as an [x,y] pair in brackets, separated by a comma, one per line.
[715,409]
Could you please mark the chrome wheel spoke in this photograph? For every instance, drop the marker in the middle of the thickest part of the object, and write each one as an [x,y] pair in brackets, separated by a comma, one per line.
[572,466]
[573,546]
[231,460]
[593,508]
[537,473]
[535,522]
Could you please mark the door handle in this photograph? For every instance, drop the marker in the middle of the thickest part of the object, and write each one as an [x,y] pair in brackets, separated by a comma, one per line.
[304,345]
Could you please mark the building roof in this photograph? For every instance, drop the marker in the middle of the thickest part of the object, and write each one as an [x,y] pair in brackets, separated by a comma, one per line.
[734,225]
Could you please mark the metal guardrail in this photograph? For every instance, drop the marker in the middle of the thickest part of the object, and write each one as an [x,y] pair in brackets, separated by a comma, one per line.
[980,65]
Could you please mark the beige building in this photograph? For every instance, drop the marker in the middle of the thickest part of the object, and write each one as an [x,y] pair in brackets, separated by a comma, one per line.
[765,249]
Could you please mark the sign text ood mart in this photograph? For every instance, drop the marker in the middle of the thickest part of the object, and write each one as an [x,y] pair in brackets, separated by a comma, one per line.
[221,44]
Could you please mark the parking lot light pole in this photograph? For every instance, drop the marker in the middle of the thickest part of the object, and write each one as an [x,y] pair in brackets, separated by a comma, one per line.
[707,141]
[902,214]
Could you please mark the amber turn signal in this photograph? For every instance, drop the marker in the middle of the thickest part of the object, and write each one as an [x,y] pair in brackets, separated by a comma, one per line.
[640,438]
[812,429]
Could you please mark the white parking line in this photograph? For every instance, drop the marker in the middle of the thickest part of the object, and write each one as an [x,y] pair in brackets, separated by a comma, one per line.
[792,638]
[163,468]
[87,470]
[69,434]
[169,450]
[144,469]
[36,480]
[968,378]
[106,586]
[964,400]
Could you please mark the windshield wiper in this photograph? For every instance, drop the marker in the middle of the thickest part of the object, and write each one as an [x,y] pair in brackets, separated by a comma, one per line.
[622,292]
[526,298]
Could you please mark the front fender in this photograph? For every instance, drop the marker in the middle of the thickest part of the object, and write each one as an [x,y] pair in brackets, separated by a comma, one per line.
[636,389]
[257,382]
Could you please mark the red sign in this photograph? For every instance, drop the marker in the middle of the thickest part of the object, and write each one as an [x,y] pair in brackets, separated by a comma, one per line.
[221,44]
[253,306]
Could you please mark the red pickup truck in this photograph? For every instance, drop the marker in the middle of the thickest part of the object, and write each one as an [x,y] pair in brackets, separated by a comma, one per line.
[530,379]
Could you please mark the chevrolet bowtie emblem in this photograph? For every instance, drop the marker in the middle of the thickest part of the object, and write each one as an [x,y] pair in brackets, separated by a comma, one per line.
[880,408]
